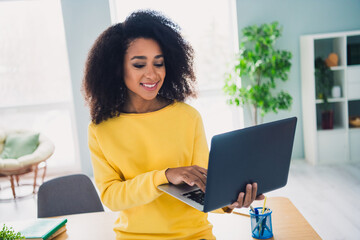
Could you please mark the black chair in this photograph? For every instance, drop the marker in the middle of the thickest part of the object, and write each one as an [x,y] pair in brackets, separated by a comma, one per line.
[68,195]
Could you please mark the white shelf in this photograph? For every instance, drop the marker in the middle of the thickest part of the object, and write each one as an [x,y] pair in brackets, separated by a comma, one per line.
[336,128]
[340,144]
[331,100]
[354,129]
[353,66]
[337,68]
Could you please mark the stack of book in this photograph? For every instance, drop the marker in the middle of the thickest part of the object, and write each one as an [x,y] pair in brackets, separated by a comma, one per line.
[40,229]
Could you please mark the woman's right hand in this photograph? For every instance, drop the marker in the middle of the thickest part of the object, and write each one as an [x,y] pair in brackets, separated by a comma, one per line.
[191,175]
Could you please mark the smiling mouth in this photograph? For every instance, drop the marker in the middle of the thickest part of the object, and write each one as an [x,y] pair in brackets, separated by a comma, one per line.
[149,86]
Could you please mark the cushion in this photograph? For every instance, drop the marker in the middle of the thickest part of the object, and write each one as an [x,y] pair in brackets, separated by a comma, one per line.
[20,144]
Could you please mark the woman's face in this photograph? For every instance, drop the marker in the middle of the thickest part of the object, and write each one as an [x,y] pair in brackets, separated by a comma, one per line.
[144,69]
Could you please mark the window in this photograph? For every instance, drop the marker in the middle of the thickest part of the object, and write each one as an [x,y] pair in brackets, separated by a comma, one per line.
[35,89]
[209,26]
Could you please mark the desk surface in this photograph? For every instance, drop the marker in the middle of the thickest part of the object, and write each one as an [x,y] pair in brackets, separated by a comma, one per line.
[288,223]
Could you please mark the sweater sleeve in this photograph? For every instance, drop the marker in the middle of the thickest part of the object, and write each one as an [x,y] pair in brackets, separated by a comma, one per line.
[201,149]
[115,192]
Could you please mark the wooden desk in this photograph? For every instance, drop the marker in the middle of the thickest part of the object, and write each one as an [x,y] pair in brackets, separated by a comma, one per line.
[288,223]
[89,226]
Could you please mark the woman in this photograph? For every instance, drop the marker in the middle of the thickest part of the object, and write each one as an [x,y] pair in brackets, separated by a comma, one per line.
[142,134]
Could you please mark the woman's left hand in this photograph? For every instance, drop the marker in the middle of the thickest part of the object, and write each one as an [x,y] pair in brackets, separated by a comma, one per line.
[245,199]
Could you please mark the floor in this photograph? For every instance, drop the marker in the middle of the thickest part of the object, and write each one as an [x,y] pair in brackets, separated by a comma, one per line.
[327,196]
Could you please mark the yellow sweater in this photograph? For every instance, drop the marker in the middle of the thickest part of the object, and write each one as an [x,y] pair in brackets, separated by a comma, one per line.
[130,154]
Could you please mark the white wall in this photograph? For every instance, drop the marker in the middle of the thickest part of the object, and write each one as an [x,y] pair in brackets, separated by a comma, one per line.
[298,18]
[84,20]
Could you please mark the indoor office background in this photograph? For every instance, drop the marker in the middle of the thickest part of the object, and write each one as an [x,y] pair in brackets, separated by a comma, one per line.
[44,44]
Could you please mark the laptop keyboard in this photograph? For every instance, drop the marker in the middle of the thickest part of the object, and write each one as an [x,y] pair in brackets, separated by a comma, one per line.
[196,195]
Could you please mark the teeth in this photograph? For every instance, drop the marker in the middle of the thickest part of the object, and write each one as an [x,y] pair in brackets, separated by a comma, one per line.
[149,85]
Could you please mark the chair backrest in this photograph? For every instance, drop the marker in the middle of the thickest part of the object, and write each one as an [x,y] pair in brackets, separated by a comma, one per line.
[68,195]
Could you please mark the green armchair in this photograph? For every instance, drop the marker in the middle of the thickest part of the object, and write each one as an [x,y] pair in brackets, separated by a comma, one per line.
[22,152]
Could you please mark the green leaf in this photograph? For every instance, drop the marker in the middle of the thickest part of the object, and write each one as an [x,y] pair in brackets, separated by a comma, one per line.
[9,234]
[260,65]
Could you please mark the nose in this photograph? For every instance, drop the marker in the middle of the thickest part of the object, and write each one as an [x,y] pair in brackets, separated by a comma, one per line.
[150,72]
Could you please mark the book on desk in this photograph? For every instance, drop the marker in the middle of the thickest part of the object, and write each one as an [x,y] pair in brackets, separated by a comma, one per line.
[39,229]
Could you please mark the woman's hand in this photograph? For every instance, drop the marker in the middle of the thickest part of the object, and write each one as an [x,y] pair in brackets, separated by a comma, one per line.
[245,199]
[192,175]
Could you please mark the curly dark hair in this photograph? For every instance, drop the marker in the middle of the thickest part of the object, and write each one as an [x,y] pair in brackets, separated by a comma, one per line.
[103,84]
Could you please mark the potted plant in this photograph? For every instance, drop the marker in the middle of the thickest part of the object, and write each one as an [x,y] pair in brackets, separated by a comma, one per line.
[9,234]
[252,79]
[324,84]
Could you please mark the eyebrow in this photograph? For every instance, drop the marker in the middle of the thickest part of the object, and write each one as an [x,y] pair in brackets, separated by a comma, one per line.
[143,57]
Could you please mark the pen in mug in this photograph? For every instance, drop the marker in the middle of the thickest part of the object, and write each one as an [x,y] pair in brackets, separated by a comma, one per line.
[263,209]
[252,209]
[261,230]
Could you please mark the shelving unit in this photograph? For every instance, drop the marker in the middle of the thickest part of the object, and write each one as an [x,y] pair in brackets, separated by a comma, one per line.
[342,143]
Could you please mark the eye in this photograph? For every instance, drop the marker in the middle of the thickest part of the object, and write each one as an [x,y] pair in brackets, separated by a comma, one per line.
[139,65]
[159,64]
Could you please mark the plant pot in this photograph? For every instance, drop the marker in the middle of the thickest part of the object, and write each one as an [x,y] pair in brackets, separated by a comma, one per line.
[327,119]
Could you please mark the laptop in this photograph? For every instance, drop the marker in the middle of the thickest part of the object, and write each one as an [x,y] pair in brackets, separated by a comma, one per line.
[259,154]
